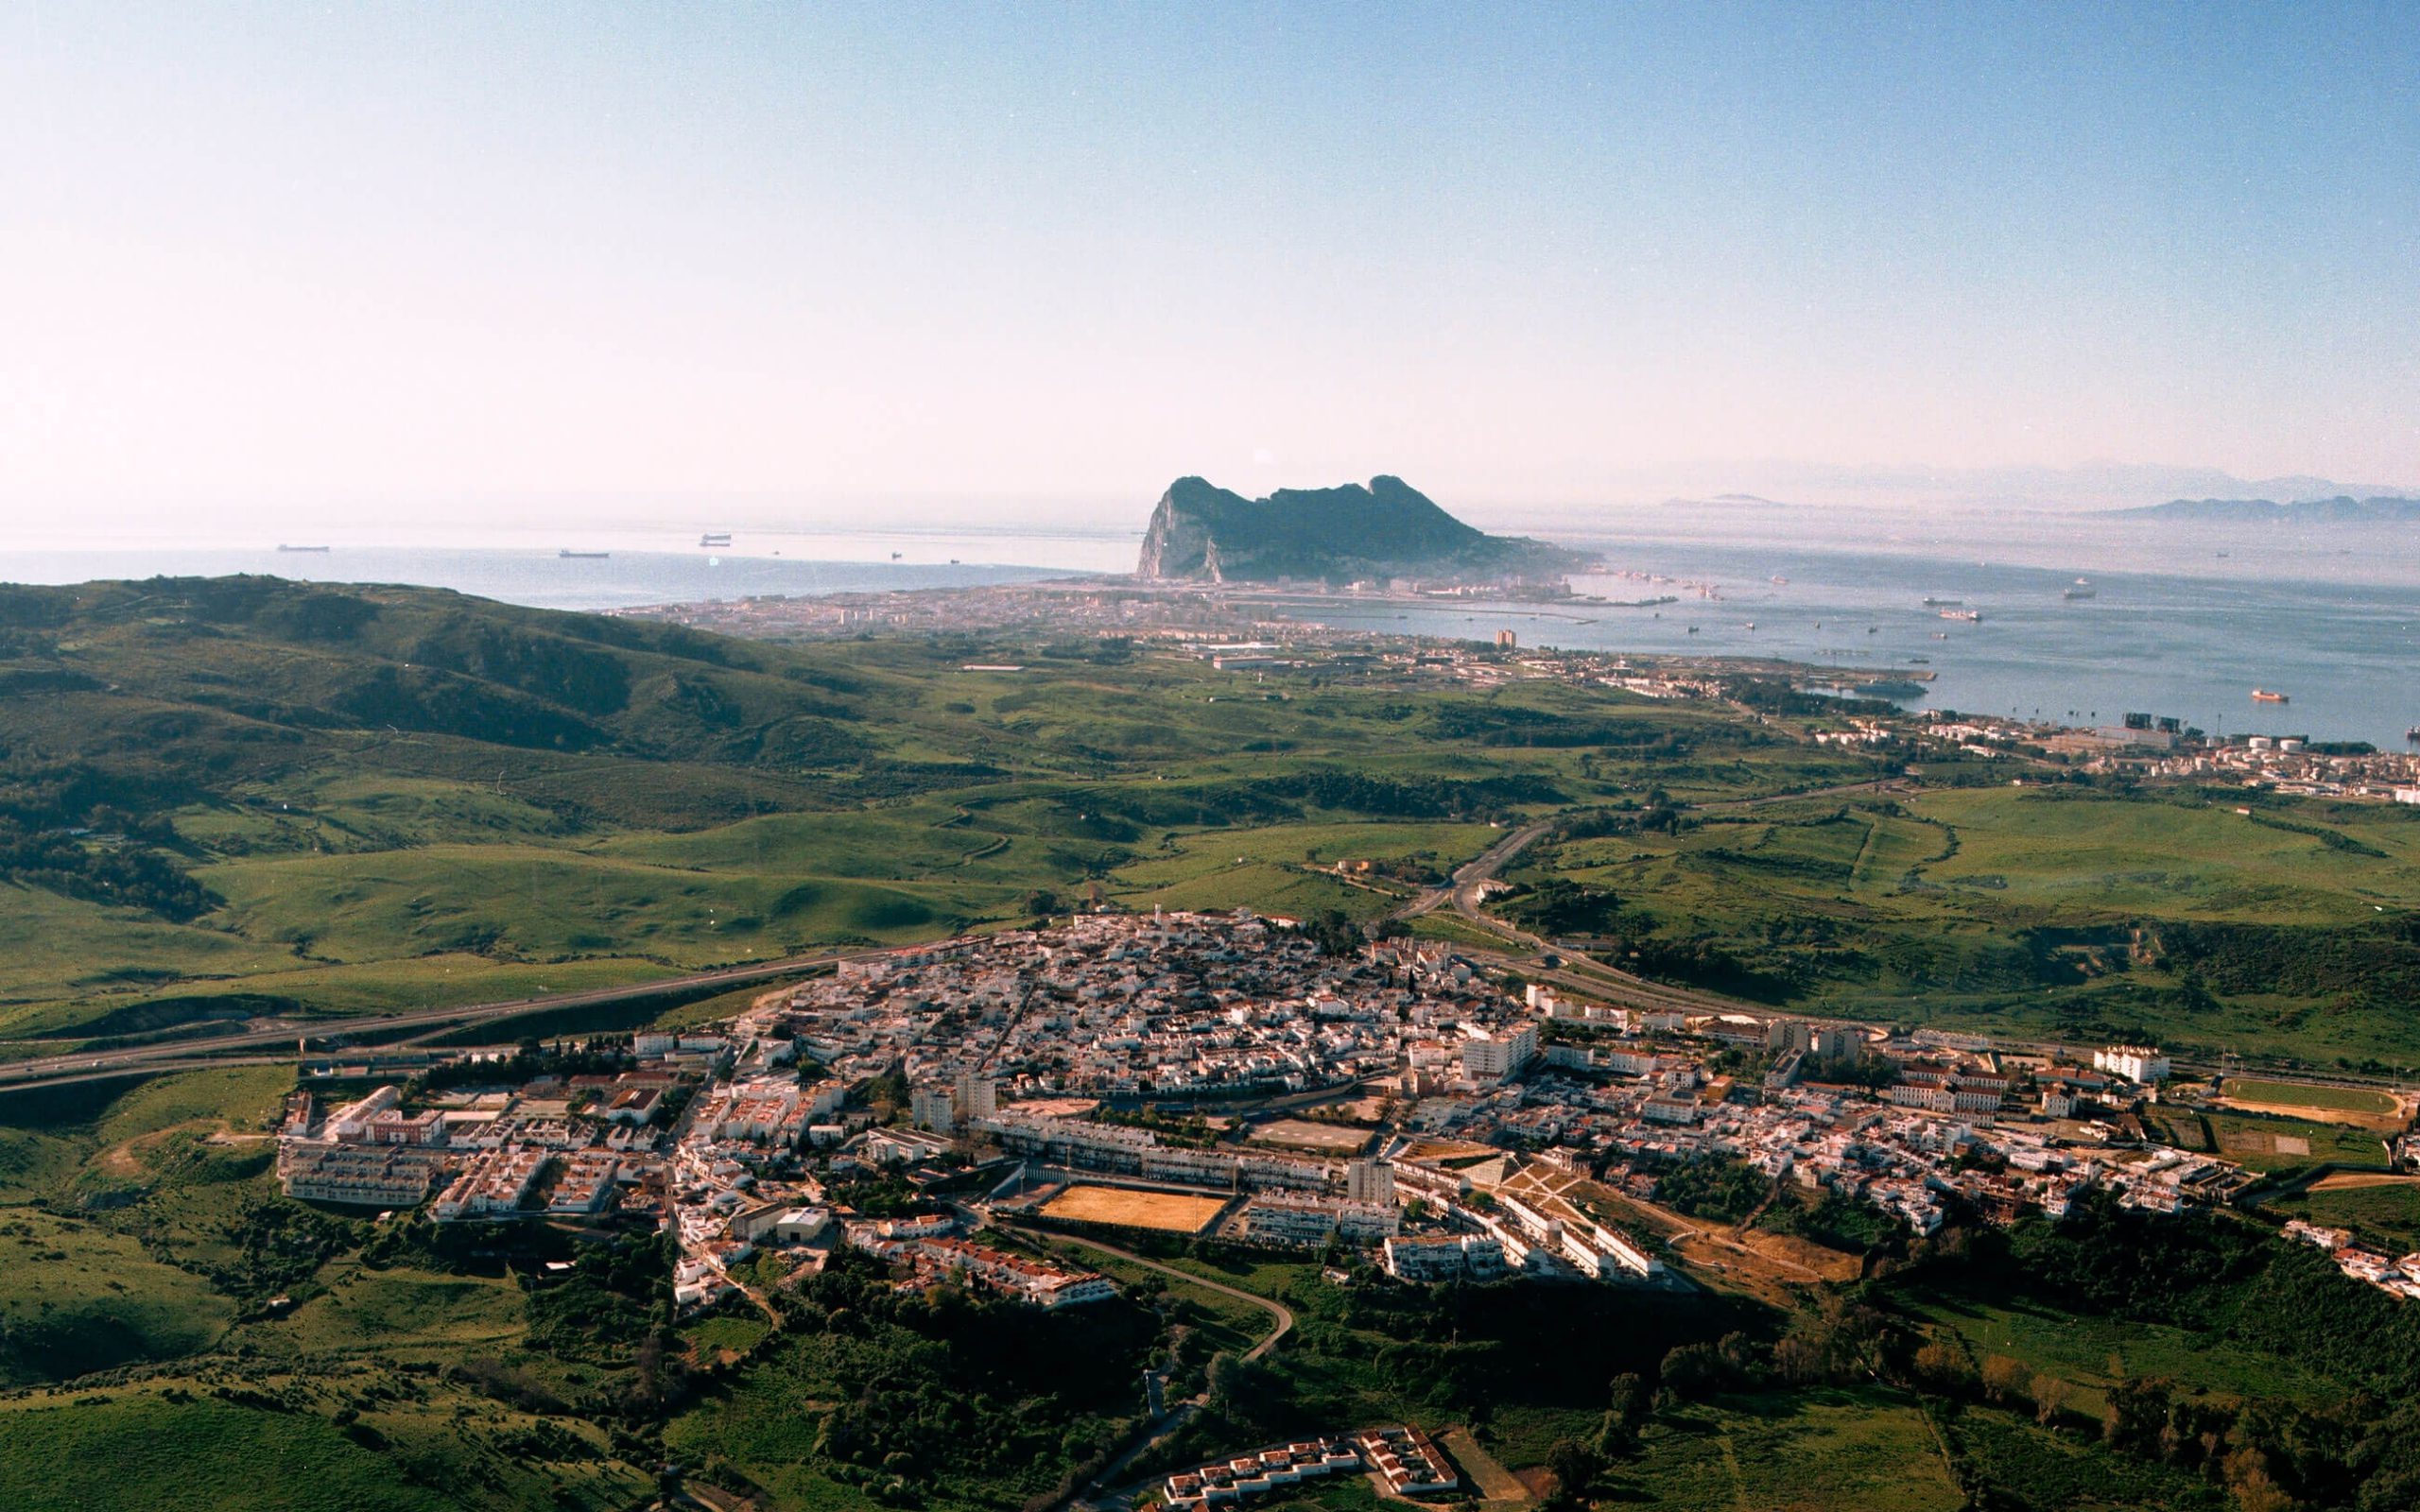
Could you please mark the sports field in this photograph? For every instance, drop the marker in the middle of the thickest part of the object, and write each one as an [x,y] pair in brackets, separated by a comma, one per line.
[1122,1207]
[2309,1094]
[1301,1134]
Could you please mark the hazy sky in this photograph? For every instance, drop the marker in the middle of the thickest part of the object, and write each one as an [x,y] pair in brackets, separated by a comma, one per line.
[258,257]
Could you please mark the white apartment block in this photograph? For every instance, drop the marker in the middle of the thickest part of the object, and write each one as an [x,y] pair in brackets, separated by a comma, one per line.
[975,1097]
[2136,1063]
[1311,1221]
[1453,1257]
[933,1108]
[1493,1057]
[1369,1181]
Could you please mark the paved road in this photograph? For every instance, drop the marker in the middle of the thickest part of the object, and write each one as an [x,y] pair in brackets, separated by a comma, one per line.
[1469,883]
[232,1048]
[1283,1314]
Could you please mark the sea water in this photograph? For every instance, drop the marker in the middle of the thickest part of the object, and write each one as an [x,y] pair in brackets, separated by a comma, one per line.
[2185,620]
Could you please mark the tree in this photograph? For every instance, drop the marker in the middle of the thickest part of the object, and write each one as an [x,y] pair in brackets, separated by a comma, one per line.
[1629,1400]
[2008,1380]
[2247,1476]
[1942,1367]
[1693,1370]
[1626,1405]
[1575,1466]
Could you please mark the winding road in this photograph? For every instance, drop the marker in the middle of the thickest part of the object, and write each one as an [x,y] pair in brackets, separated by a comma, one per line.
[1283,1314]
[1152,1433]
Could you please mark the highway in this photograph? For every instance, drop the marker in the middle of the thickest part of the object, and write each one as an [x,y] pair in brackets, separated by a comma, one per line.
[249,1045]
[1468,888]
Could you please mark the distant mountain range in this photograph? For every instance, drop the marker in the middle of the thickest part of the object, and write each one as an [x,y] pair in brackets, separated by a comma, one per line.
[1386,529]
[2342,509]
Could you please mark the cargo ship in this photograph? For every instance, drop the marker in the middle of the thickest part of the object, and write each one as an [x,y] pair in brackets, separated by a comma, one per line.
[1971,616]
[2264,695]
[569,554]
[1943,603]
[715,538]
[322,550]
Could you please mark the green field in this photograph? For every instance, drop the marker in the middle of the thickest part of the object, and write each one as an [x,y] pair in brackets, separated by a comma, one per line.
[2386,1214]
[2089,1354]
[2062,912]
[279,1449]
[344,801]
[2309,1094]
[2267,1142]
[2025,1467]
[1864,1448]
[76,1298]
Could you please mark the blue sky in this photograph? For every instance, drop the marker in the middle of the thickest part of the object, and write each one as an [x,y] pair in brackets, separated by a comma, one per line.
[262,255]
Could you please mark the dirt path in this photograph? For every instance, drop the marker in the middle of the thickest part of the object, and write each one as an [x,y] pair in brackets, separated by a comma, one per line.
[2356,1180]
[1495,1483]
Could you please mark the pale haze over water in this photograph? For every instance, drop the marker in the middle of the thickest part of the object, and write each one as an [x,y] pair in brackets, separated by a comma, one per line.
[2184,620]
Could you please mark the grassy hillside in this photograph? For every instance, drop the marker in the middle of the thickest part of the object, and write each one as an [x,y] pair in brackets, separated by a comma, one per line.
[243,795]
[233,796]
[2066,911]
[142,1364]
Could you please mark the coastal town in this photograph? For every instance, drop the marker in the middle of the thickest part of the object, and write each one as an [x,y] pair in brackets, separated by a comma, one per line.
[1271,638]
[1233,1078]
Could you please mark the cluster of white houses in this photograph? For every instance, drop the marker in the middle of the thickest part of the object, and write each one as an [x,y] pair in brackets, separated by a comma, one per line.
[933,1246]
[2399,1276]
[1009,1045]
[1406,1459]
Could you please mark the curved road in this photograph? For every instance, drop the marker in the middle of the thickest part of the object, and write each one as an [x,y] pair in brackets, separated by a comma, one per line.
[1283,1314]
[1469,885]
[1168,1422]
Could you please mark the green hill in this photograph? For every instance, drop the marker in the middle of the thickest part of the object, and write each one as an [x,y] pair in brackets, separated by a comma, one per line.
[243,795]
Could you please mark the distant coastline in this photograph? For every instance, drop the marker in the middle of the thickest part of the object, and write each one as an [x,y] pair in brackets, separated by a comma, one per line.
[2343,509]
